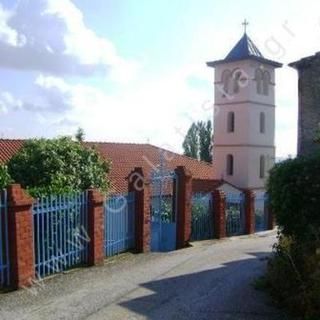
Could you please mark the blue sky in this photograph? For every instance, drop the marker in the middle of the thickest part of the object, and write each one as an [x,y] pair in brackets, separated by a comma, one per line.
[135,71]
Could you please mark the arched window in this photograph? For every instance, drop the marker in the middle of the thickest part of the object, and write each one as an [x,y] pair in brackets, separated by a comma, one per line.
[230,164]
[262,166]
[266,83]
[262,122]
[259,77]
[230,121]
[236,81]
[226,81]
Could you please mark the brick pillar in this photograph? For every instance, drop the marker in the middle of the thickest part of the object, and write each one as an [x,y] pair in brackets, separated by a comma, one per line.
[96,249]
[22,268]
[271,217]
[183,192]
[249,205]
[141,188]
[219,213]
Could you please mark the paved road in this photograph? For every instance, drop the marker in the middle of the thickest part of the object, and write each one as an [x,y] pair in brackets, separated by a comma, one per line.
[211,280]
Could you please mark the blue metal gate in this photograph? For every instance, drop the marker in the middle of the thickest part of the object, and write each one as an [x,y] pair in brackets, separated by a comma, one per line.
[202,217]
[60,226]
[4,241]
[235,214]
[119,223]
[163,210]
[261,212]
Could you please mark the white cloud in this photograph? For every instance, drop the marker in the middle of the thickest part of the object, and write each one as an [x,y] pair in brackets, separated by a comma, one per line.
[9,103]
[51,36]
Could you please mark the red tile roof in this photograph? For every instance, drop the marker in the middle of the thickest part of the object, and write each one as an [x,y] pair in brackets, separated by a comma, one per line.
[125,157]
[8,148]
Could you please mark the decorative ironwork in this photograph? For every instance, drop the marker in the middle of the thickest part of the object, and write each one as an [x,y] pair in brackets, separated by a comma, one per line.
[119,223]
[261,212]
[60,233]
[202,217]
[235,214]
[163,208]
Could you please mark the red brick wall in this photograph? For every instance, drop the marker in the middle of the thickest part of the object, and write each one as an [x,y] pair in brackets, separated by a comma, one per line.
[141,188]
[96,252]
[203,185]
[21,244]
[219,204]
[184,194]
[249,212]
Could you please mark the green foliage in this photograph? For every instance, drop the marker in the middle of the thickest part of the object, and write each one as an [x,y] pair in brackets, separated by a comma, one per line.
[80,135]
[58,166]
[199,209]
[190,143]
[294,272]
[293,277]
[198,141]
[205,140]
[294,189]
[5,178]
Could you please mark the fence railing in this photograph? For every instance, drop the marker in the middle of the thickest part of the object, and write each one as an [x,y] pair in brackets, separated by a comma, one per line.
[4,240]
[119,223]
[261,212]
[60,233]
[202,217]
[235,214]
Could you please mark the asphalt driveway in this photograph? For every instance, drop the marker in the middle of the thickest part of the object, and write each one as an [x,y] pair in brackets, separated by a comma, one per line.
[211,280]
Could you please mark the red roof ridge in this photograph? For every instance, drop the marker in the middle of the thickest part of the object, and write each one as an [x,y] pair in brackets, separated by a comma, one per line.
[183,155]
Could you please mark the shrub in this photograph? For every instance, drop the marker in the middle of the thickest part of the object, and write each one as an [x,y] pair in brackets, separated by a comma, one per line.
[58,166]
[5,178]
[294,272]
[293,278]
[294,189]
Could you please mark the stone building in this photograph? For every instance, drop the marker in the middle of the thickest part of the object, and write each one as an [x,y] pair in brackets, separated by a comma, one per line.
[244,117]
[309,103]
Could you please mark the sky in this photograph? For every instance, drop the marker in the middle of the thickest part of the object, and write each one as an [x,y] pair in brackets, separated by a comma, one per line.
[134,71]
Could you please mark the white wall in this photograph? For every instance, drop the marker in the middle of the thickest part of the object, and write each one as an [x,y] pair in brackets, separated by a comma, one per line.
[246,165]
[246,144]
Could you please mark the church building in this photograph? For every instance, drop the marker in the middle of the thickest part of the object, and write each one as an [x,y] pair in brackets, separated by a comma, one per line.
[244,116]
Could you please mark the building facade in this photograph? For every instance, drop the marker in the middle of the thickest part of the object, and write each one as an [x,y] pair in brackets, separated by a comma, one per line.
[309,103]
[244,116]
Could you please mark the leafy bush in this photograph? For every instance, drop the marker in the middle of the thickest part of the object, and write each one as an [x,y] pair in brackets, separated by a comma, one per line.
[293,275]
[294,189]
[5,178]
[58,166]
[293,278]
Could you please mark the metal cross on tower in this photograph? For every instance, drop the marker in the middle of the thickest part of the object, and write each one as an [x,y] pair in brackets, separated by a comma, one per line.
[245,24]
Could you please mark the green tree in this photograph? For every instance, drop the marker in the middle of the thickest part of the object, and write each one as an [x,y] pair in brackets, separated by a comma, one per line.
[198,141]
[5,178]
[58,166]
[80,135]
[205,140]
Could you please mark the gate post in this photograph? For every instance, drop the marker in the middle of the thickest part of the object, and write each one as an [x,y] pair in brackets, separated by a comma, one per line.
[219,213]
[183,192]
[270,216]
[20,226]
[95,228]
[141,189]
[249,211]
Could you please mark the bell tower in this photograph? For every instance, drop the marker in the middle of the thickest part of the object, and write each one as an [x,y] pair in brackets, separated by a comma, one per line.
[244,116]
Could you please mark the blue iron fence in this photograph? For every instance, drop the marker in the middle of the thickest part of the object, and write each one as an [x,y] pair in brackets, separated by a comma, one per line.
[119,223]
[202,217]
[234,214]
[4,241]
[164,187]
[261,211]
[60,233]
